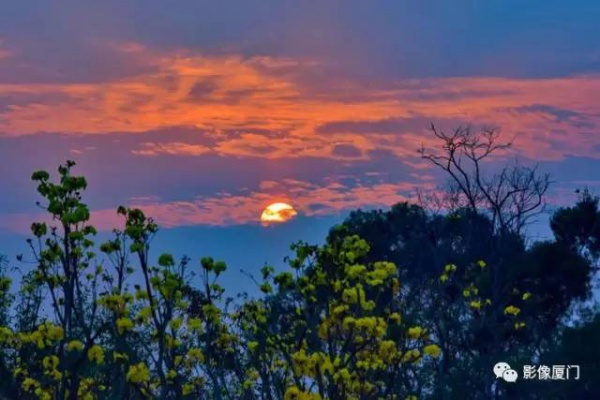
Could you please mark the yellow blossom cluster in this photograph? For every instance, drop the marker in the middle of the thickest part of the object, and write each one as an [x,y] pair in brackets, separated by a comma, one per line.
[124,324]
[293,393]
[138,373]
[44,336]
[512,310]
[96,354]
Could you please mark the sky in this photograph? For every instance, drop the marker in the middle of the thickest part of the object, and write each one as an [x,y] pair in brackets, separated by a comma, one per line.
[201,113]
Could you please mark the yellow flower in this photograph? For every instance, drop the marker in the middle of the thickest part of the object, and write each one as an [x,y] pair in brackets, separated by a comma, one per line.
[143,315]
[432,350]
[385,268]
[350,296]
[324,329]
[343,375]
[348,323]
[74,345]
[466,293]
[475,305]
[56,375]
[252,346]
[450,268]
[443,278]
[526,295]
[337,286]
[29,384]
[367,305]
[138,373]
[355,271]
[50,362]
[373,325]
[96,354]
[124,324]
[55,332]
[395,286]
[300,361]
[252,374]
[119,356]
[519,325]
[512,310]
[481,263]
[387,348]
[395,317]
[411,356]
[326,366]
[196,355]
[293,393]
[176,323]
[5,334]
[415,332]
[195,324]
[42,394]
[339,309]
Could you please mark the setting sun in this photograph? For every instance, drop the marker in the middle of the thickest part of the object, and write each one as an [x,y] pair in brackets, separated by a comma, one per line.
[277,212]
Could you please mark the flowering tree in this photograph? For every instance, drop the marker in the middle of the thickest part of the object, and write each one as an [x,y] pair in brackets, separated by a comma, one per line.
[104,322]
[333,329]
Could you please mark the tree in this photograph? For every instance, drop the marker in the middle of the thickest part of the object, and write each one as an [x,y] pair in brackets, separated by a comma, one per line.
[100,338]
[346,328]
[337,325]
[483,218]
[413,315]
[510,198]
[578,227]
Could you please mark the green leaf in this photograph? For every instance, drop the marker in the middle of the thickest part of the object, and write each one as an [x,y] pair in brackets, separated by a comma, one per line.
[166,260]
[207,263]
[40,176]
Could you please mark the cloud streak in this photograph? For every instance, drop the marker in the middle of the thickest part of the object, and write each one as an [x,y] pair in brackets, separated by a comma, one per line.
[268,107]
[226,209]
[170,148]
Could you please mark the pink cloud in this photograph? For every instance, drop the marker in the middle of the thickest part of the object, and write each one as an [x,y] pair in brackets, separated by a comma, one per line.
[171,148]
[225,93]
[233,209]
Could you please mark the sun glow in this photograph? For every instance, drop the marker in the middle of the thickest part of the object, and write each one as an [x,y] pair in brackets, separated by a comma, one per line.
[277,213]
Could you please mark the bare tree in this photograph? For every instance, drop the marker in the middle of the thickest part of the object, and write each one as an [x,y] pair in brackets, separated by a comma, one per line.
[510,197]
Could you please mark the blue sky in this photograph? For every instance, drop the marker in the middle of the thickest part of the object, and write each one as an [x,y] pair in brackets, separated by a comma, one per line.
[202,113]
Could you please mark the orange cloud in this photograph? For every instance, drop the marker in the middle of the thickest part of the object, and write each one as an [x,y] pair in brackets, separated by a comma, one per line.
[308,199]
[233,209]
[171,148]
[230,93]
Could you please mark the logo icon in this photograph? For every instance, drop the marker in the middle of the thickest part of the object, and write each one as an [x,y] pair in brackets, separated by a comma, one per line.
[503,370]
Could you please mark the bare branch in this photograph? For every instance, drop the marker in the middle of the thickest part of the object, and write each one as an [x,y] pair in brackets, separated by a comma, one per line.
[510,198]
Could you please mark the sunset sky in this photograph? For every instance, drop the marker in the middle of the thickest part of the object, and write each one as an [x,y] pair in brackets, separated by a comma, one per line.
[204,112]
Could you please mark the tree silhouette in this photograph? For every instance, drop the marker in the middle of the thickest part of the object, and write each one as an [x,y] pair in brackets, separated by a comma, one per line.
[396,305]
